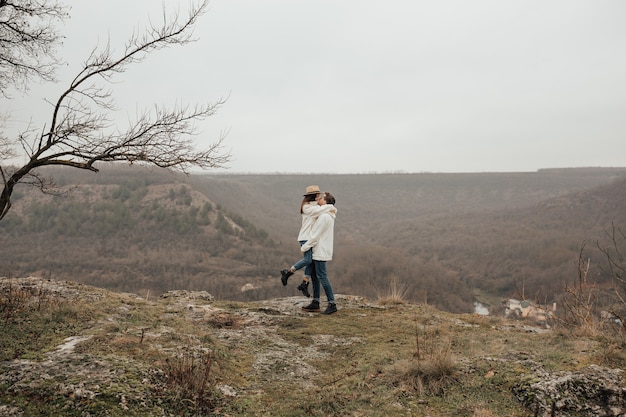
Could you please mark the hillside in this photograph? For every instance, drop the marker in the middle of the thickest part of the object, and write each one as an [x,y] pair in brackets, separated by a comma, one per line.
[67,349]
[146,232]
[535,246]
[448,239]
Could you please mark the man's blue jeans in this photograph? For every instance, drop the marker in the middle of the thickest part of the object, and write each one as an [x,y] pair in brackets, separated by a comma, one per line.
[320,276]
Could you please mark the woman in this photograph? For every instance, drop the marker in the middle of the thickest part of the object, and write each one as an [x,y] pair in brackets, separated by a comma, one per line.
[309,211]
[321,242]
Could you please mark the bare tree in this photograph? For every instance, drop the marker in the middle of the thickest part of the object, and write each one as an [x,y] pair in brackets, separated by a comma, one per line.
[616,262]
[580,301]
[590,305]
[28,41]
[81,134]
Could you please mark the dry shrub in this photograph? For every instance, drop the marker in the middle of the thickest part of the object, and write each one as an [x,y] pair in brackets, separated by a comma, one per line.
[188,383]
[16,299]
[581,303]
[396,293]
[431,375]
[610,353]
[13,301]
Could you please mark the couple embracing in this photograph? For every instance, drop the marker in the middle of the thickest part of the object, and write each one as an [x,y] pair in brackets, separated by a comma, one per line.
[318,213]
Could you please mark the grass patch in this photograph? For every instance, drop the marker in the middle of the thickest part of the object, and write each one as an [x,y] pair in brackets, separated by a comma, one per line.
[34,323]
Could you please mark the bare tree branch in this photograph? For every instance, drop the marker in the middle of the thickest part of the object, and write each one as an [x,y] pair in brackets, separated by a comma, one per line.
[28,41]
[614,254]
[79,136]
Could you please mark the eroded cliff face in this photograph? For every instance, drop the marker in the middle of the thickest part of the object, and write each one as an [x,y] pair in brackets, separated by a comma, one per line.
[71,349]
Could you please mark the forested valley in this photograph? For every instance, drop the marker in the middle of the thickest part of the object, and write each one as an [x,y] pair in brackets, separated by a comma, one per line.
[444,239]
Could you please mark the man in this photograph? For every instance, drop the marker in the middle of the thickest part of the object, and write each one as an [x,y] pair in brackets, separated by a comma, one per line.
[321,241]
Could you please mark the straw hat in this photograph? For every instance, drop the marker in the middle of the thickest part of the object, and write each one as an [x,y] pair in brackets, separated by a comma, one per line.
[312,189]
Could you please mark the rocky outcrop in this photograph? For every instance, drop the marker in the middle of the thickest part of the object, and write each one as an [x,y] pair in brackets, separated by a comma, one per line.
[593,391]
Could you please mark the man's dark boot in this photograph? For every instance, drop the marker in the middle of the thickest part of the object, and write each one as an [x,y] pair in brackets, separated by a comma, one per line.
[284,276]
[304,287]
[314,307]
[332,308]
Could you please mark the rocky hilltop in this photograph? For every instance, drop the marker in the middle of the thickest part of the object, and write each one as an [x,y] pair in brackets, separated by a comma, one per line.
[74,350]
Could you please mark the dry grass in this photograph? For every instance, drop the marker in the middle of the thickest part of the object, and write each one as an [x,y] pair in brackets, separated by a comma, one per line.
[432,376]
[189,384]
[396,293]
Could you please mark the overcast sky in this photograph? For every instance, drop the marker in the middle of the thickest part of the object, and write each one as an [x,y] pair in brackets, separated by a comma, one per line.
[349,86]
